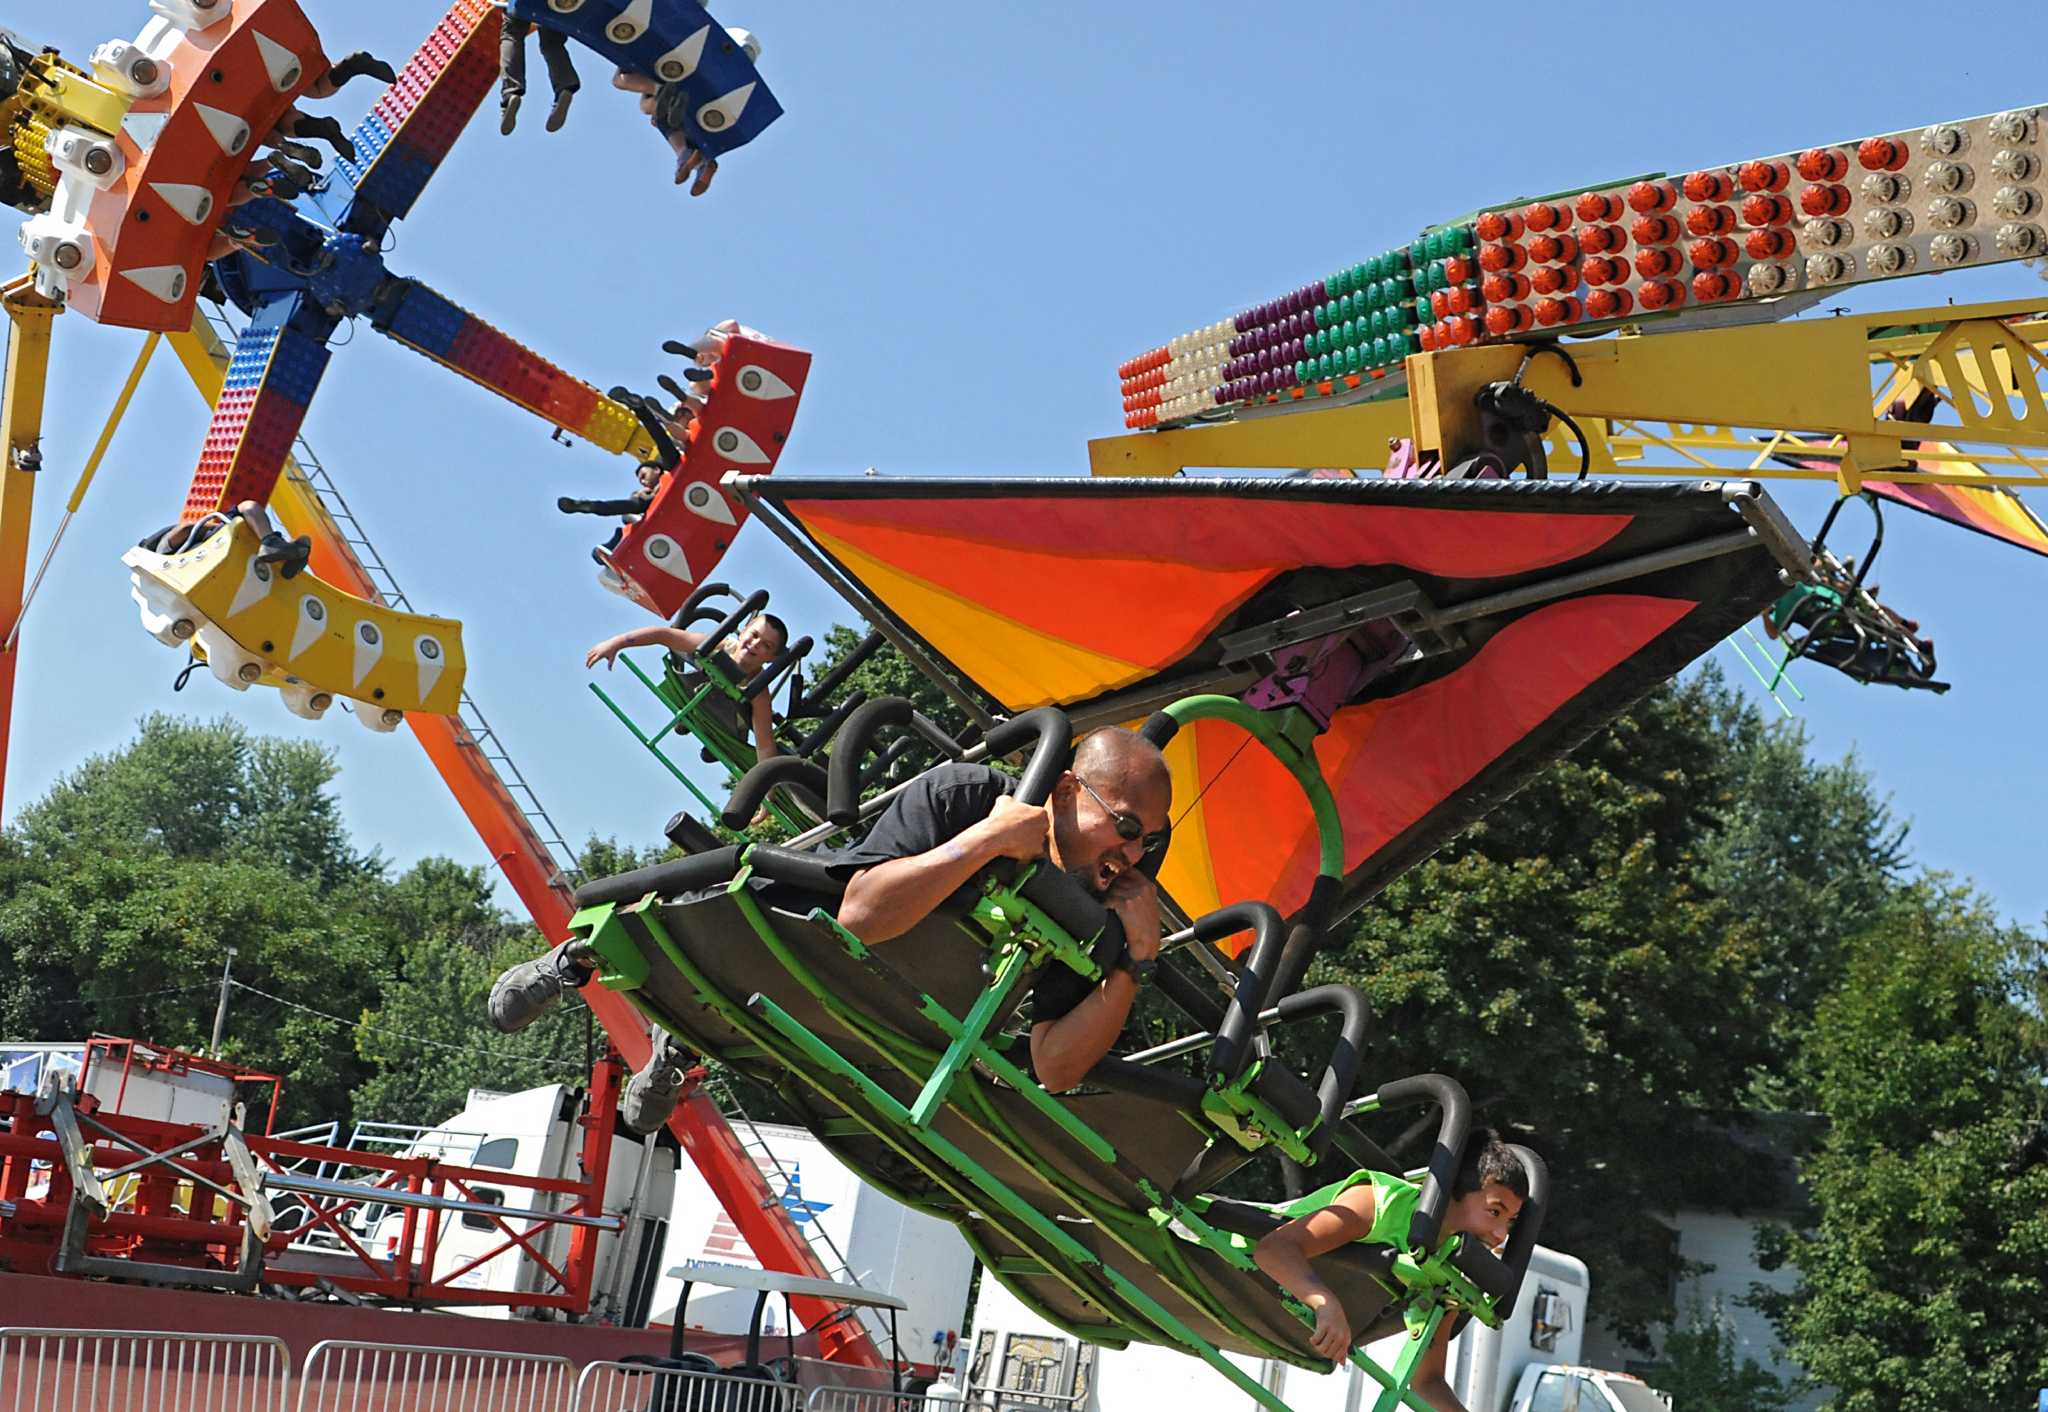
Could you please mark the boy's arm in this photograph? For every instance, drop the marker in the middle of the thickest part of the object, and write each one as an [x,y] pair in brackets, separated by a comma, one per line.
[1428,1383]
[660,635]
[765,745]
[1284,1255]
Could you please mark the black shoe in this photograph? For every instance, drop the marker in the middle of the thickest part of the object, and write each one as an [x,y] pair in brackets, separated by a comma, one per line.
[361,65]
[290,555]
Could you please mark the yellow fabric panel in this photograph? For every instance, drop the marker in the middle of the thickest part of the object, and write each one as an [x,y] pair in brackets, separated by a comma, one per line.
[1031,670]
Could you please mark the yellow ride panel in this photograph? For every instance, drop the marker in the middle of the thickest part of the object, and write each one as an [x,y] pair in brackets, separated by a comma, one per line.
[252,627]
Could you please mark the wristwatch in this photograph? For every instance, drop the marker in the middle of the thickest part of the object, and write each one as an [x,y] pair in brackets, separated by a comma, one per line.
[1139,971]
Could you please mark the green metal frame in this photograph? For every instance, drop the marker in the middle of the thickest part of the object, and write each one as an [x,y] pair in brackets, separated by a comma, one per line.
[1289,736]
[686,710]
[1021,939]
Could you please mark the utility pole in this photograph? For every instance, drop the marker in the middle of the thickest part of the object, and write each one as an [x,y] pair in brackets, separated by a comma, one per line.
[220,1016]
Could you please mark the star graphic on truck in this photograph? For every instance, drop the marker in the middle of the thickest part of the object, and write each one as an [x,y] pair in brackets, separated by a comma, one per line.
[800,1210]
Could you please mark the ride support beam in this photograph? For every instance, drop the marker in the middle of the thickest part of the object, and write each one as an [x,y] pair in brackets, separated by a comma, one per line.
[1718,400]
[29,320]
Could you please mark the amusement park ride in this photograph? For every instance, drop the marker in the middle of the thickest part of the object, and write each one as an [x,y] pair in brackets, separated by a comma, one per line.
[1403,649]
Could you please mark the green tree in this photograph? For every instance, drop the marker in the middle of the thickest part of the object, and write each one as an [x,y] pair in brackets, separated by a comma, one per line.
[428,1043]
[889,673]
[124,886]
[1925,1276]
[1805,851]
[1700,1371]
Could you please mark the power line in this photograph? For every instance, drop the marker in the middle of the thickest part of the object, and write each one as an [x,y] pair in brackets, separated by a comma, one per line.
[130,995]
[401,1034]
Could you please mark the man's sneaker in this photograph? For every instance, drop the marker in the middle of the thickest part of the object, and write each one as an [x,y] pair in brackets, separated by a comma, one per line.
[524,993]
[653,1092]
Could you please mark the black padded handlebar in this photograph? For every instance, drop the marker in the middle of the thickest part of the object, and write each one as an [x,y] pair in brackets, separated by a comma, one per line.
[687,614]
[1340,1075]
[1054,736]
[814,698]
[1453,1125]
[1160,729]
[786,865]
[1232,1048]
[1528,1226]
[1077,912]
[670,879]
[829,723]
[774,772]
[753,603]
[850,747]
[776,665]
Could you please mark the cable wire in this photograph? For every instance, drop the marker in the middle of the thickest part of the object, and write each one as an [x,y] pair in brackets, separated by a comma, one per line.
[401,1034]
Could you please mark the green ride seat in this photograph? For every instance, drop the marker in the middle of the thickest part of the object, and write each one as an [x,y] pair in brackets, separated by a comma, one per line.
[686,941]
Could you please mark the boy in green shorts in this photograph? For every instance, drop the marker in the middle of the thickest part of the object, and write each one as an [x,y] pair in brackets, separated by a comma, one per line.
[1376,1207]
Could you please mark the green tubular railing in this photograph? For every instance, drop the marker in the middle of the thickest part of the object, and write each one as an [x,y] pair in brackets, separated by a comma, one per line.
[1288,736]
[734,755]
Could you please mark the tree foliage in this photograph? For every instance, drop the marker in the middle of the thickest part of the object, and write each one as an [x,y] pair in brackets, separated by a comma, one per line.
[1925,1276]
[1567,960]
[1701,1372]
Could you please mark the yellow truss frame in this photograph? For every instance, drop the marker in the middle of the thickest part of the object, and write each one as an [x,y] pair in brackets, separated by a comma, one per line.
[1717,401]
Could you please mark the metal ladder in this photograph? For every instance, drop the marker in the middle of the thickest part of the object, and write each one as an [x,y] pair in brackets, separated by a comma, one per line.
[779,1177]
[329,494]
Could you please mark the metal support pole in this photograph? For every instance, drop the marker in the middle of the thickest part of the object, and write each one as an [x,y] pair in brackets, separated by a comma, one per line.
[29,317]
[220,1014]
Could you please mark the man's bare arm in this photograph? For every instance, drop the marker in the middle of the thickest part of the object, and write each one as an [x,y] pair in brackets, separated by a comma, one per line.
[890,898]
[1064,1050]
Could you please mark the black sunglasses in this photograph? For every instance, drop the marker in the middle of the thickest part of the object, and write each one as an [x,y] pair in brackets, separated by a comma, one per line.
[1129,826]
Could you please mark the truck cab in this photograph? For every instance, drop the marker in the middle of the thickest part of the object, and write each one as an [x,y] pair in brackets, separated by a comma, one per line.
[1558,1387]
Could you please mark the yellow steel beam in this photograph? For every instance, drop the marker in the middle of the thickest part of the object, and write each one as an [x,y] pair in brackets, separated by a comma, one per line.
[1715,399]
[1352,435]
[29,320]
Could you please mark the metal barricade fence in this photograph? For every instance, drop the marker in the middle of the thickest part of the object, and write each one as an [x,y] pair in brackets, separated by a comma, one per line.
[119,1370]
[635,1387]
[344,1376]
[858,1399]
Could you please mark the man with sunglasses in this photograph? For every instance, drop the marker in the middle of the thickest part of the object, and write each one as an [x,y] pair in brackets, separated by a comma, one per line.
[1105,818]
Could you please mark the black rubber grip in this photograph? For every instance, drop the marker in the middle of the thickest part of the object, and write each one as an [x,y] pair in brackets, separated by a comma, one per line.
[1148,1081]
[850,747]
[854,740]
[1454,1124]
[670,879]
[777,771]
[1232,1049]
[1160,729]
[814,699]
[786,865]
[829,724]
[1340,1075]
[687,614]
[794,652]
[753,603]
[1077,912]
[1054,736]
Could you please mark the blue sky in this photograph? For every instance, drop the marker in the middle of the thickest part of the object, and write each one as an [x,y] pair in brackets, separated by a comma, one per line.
[971,214]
